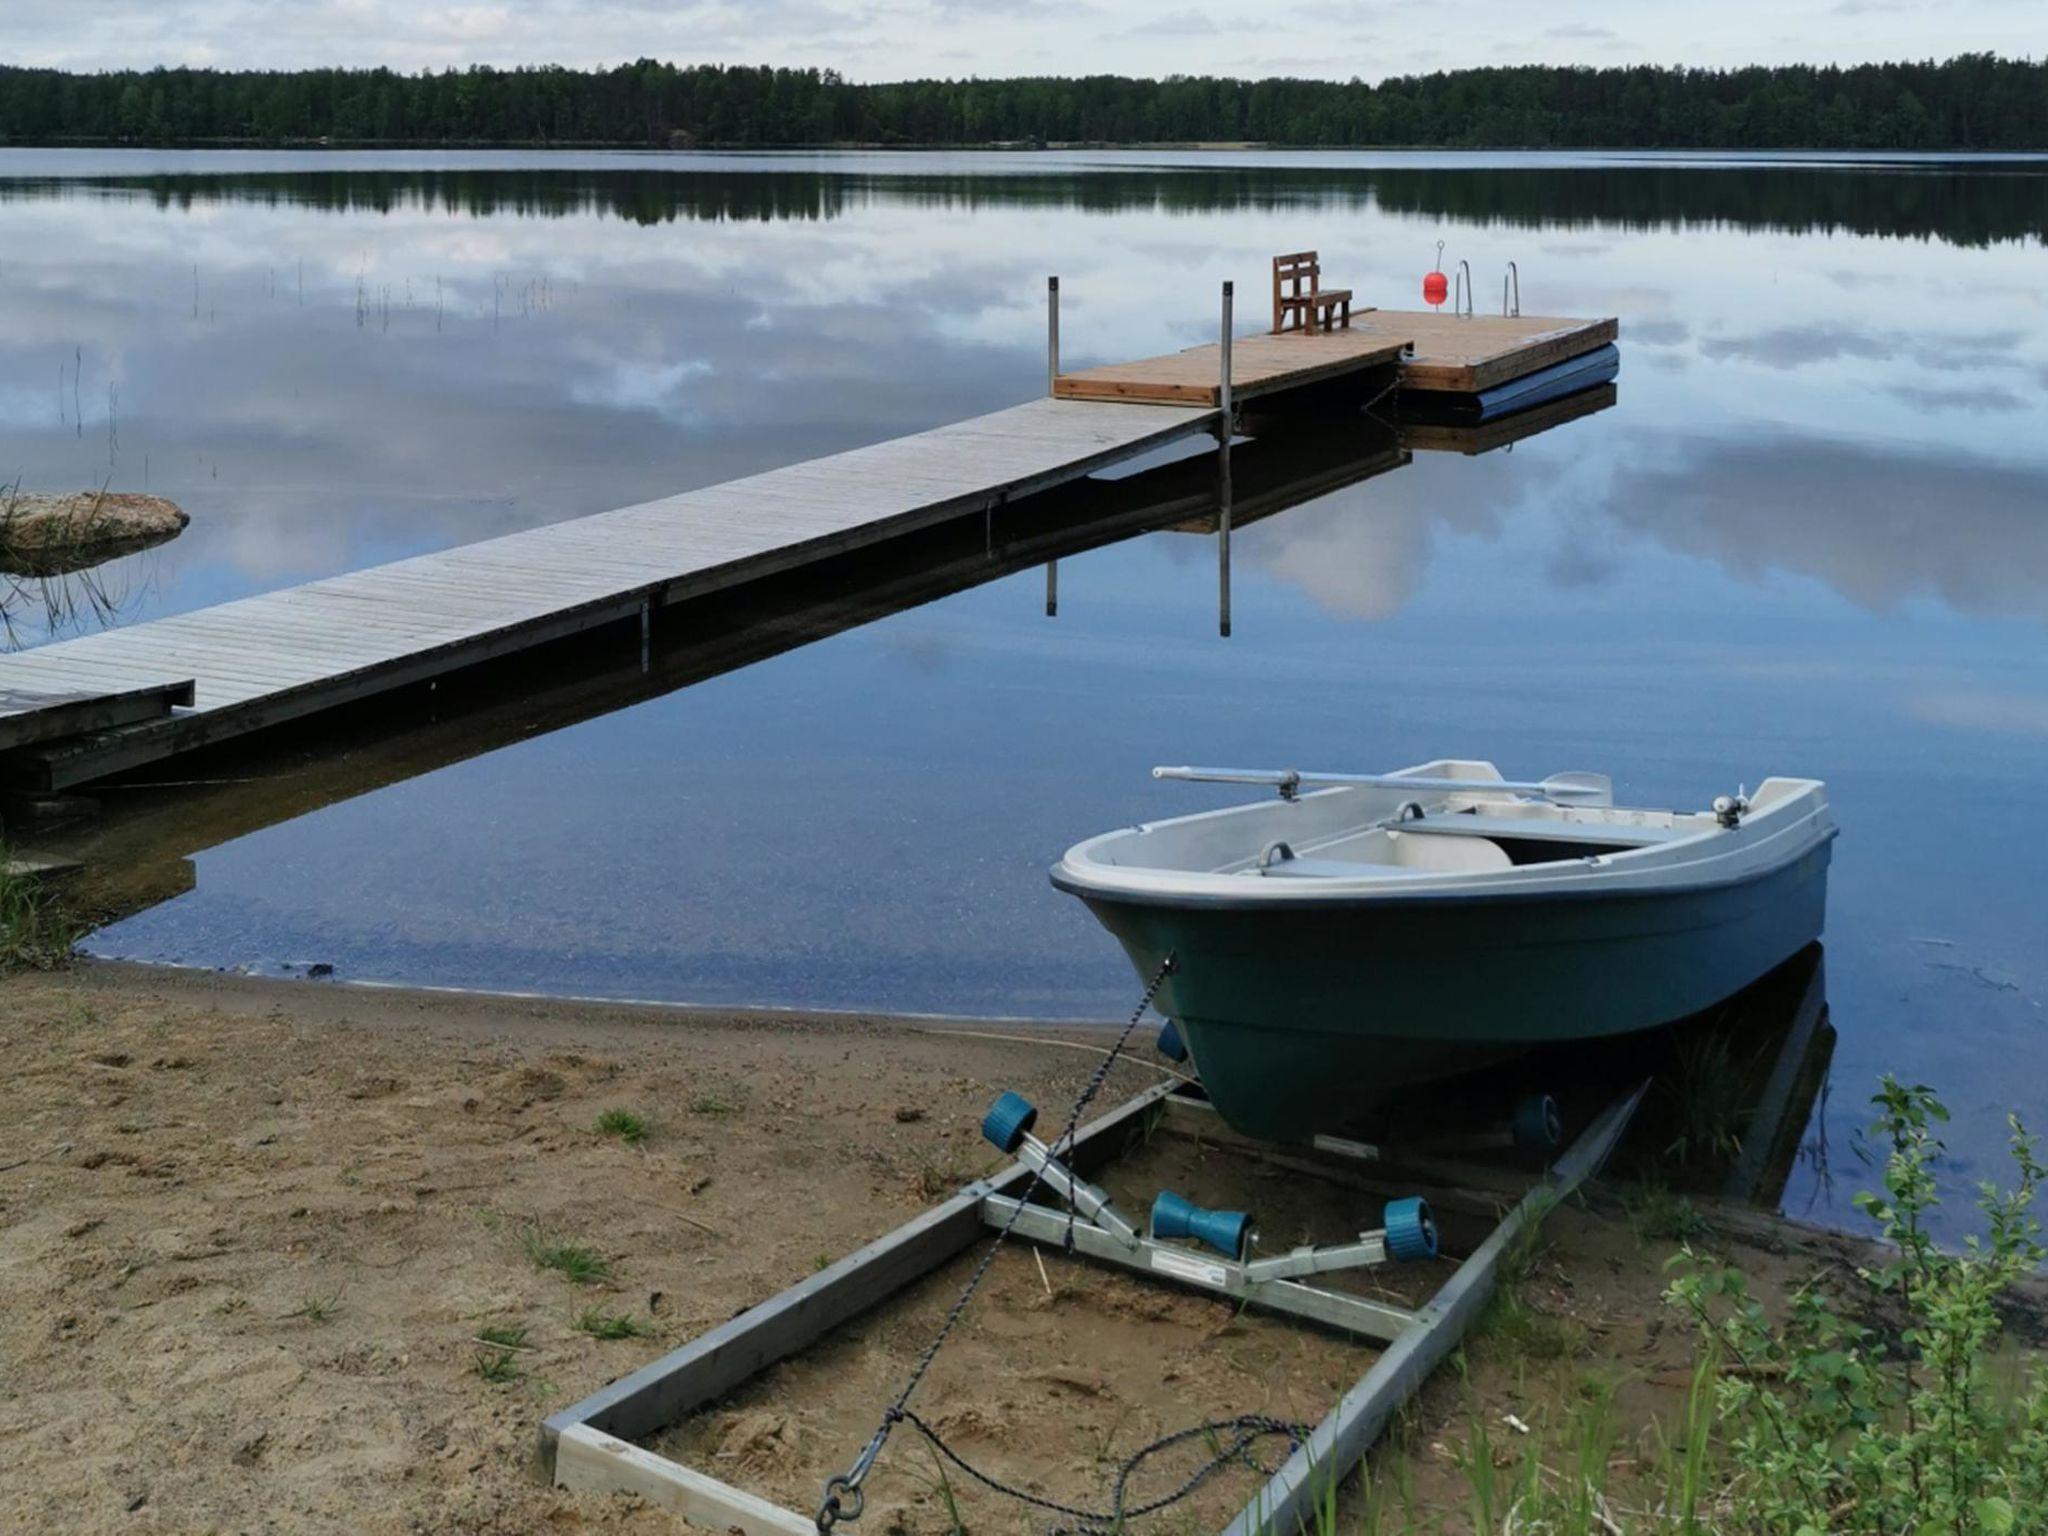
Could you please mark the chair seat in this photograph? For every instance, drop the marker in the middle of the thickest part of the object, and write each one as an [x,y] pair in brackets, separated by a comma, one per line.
[1327,296]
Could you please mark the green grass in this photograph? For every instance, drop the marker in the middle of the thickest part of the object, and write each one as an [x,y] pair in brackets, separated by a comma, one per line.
[713,1104]
[498,1366]
[624,1124]
[36,933]
[504,1335]
[573,1261]
[1516,1330]
[1658,1214]
[317,1309]
[600,1324]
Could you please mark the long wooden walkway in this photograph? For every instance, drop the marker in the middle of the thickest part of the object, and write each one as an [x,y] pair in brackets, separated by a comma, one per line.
[265,659]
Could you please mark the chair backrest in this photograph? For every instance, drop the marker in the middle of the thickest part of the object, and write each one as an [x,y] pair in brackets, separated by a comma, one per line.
[1297,275]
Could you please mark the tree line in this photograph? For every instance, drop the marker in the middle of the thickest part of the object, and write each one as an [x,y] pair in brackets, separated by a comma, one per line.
[1971,102]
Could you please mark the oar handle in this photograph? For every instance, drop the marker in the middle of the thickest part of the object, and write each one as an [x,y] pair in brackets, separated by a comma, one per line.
[1559,786]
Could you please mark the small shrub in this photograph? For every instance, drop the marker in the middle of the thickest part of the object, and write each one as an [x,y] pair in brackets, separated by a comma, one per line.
[712,1104]
[585,1266]
[1838,1426]
[624,1124]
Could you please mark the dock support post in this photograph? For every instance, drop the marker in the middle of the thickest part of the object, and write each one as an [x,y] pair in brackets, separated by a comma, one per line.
[1052,589]
[1052,334]
[1223,435]
[646,632]
[1223,392]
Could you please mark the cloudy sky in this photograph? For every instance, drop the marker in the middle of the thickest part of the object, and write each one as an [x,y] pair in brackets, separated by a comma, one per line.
[894,39]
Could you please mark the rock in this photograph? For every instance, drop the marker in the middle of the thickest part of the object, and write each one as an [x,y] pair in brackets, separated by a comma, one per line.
[44,535]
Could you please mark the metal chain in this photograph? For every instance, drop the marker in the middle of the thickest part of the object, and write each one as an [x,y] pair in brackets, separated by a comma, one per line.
[843,1499]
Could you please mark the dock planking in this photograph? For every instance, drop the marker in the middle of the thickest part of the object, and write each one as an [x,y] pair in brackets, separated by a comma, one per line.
[1259,365]
[281,655]
[1459,354]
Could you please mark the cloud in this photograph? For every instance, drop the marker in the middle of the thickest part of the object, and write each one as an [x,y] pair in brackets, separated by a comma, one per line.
[899,39]
[1801,346]
[1881,525]
[1983,709]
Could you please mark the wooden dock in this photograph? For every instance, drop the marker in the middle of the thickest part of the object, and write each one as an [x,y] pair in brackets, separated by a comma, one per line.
[1460,354]
[280,655]
[79,710]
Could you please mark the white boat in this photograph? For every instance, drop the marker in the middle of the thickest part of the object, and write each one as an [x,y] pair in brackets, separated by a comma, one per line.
[1362,932]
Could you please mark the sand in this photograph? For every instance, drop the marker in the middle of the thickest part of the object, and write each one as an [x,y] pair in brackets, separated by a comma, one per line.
[251,1233]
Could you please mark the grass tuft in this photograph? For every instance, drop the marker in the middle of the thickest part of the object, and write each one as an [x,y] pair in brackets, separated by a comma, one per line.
[573,1261]
[624,1124]
[498,1366]
[1659,1214]
[600,1324]
[713,1104]
[504,1335]
[317,1309]
[36,933]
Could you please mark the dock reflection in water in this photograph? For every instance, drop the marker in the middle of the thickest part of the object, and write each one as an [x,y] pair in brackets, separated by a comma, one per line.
[138,851]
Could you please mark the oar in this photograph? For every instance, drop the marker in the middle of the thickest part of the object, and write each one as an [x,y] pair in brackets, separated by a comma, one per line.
[1585,788]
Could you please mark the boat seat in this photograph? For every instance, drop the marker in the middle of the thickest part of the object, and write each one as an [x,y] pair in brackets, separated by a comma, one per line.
[1543,829]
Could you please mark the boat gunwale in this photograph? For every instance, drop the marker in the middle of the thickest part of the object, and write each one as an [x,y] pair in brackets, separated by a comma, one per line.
[1628,873]
[1299,896]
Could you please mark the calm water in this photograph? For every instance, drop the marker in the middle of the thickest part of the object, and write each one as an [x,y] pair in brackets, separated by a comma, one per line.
[1811,537]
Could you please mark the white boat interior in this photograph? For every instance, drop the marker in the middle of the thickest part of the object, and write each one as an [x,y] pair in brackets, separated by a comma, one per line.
[1461,827]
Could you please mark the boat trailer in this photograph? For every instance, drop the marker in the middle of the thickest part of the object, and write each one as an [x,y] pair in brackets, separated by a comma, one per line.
[589,1447]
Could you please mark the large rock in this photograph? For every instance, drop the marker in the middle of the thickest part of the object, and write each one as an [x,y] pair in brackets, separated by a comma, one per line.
[42,535]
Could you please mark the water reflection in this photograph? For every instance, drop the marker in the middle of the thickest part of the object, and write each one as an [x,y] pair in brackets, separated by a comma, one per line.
[1804,537]
[137,851]
[1954,202]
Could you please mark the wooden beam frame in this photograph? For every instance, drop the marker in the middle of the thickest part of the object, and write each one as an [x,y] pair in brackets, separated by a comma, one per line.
[586,1448]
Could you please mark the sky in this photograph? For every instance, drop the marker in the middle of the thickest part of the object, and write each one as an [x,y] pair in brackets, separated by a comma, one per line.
[899,39]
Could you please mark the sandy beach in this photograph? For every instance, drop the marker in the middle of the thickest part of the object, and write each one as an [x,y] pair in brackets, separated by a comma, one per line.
[255,1236]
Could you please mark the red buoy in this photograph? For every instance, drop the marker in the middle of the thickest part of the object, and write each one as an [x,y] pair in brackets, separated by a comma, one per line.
[1435,286]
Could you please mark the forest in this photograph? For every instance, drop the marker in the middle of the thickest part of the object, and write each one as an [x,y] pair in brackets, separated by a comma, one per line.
[1971,102]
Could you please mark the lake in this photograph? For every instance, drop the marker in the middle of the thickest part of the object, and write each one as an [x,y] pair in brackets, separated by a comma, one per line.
[1810,537]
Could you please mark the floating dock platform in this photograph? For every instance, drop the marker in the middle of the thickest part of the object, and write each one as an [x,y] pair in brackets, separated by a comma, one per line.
[1434,351]
[76,711]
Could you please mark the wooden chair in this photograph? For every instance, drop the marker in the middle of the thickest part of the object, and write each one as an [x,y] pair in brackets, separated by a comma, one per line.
[1299,295]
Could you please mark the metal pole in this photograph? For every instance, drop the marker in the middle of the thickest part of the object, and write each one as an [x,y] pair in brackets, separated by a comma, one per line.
[1223,434]
[1052,334]
[1052,589]
[1223,396]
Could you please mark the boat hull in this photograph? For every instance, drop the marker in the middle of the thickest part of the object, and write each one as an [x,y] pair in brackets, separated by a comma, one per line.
[1310,1019]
